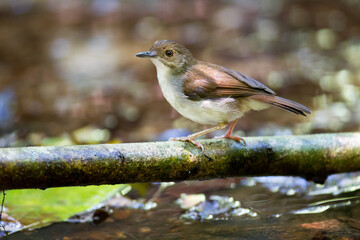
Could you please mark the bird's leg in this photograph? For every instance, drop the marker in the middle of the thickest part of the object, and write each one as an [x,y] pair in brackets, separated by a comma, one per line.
[191,137]
[229,135]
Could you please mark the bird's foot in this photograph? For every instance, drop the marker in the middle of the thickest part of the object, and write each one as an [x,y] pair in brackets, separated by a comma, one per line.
[188,139]
[236,138]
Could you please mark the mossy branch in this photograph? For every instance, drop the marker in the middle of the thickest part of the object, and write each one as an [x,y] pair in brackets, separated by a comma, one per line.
[311,156]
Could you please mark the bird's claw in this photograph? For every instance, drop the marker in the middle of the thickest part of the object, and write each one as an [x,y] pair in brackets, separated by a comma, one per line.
[236,138]
[187,139]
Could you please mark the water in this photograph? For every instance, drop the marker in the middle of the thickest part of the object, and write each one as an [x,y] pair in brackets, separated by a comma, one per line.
[235,208]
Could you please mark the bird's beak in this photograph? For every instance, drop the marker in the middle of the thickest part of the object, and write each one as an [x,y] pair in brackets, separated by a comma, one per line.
[148,54]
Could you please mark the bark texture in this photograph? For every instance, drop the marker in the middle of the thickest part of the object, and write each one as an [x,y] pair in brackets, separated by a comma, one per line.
[311,156]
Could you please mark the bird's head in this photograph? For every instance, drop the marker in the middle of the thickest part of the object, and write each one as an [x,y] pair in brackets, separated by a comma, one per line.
[169,54]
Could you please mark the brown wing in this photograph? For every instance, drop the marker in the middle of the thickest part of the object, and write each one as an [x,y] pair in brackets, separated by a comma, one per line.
[206,80]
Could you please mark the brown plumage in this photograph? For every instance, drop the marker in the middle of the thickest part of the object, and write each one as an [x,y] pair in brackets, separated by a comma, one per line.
[207,81]
[208,93]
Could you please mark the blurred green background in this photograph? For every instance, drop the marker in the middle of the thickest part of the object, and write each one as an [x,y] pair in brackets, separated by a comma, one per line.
[68,73]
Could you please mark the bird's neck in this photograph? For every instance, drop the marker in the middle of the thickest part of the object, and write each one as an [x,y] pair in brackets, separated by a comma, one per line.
[166,74]
[170,81]
[173,69]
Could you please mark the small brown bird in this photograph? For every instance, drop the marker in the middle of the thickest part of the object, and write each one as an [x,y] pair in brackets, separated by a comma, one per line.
[210,94]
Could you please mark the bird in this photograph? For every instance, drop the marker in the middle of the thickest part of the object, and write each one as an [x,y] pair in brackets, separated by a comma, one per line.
[210,94]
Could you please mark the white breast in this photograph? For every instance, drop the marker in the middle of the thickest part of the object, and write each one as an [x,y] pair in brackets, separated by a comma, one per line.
[209,111]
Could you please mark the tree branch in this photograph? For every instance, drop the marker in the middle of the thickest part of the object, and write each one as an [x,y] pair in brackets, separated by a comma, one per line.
[311,156]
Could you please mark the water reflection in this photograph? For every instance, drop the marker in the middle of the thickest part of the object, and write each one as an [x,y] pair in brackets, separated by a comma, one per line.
[223,208]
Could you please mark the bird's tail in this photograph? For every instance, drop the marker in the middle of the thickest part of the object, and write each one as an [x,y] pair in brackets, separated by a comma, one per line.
[283,103]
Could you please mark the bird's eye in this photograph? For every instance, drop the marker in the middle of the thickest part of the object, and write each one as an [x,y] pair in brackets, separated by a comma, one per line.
[169,53]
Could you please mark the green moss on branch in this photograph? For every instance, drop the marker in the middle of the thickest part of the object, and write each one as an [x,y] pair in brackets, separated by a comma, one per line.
[311,156]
